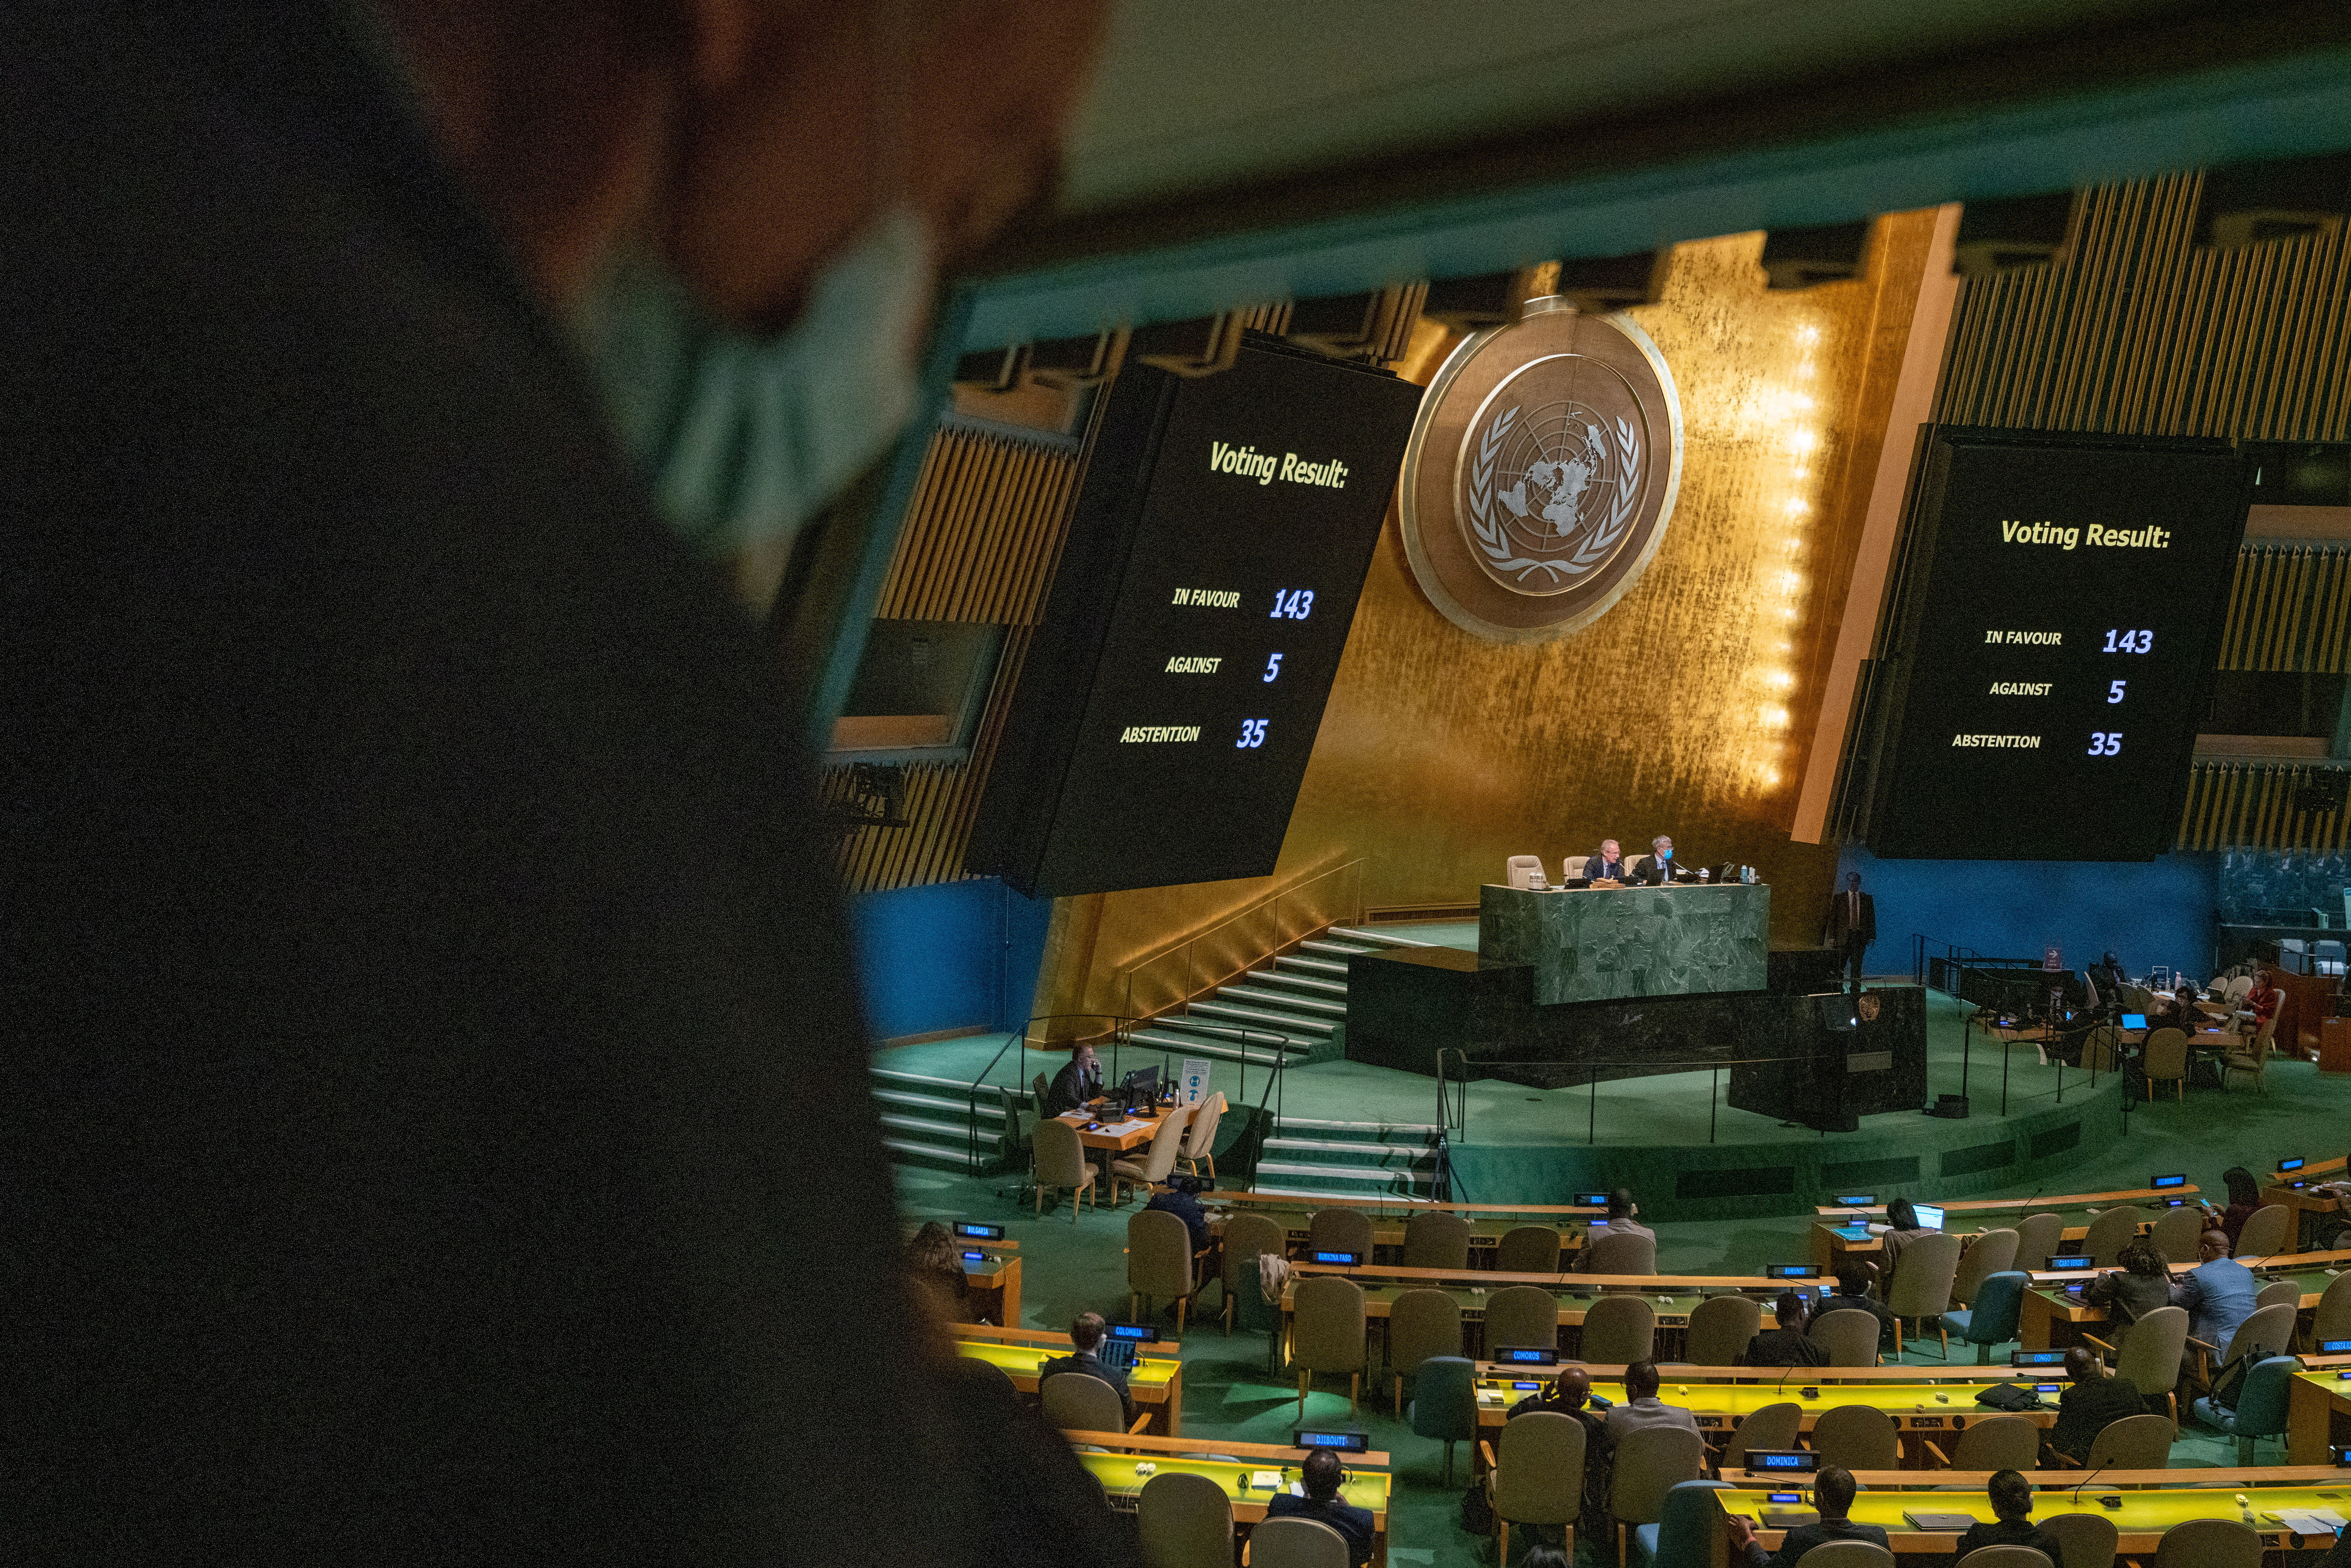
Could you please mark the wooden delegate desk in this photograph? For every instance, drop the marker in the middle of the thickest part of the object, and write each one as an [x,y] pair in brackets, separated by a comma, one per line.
[1295,1216]
[2312,1209]
[2046,1203]
[1673,1297]
[1920,1410]
[1118,1134]
[1124,1476]
[2318,1409]
[1827,1244]
[993,1283]
[2052,1317]
[1156,1381]
[2141,1521]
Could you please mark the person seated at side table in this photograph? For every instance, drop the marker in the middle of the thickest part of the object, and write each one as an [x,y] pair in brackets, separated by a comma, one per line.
[1852,1293]
[1787,1345]
[2264,998]
[935,1264]
[1622,1221]
[1642,1408]
[1608,865]
[2092,1404]
[2220,1292]
[2244,1202]
[1079,1081]
[1902,1228]
[1833,1491]
[1319,1475]
[1181,1198]
[2012,1502]
[1657,866]
[2142,1286]
[1570,1395]
[1086,1333]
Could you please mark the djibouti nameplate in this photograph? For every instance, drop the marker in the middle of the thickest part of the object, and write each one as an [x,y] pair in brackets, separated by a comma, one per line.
[1542,473]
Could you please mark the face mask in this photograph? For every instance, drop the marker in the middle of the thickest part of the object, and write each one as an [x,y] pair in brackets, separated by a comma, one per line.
[743,439]
[1664,854]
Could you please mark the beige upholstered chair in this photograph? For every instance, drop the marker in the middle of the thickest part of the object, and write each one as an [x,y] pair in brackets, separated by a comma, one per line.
[2176,1233]
[1857,1436]
[1185,1522]
[1993,1252]
[1849,1334]
[2333,1318]
[1339,1231]
[2207,1543]
[2005,1557]
[1650,1463]
[1246,1237]
[2239,986]
[2087,1539]
[1846,1554]
[2038,1237]
[1775,1428]
[1721,1328]
[1200,1138]
[2149,1355]
[1993,1443]
[1080,1402]
[2269,1332]
[2269,1231]
[1158,1262]
[1166,1142]
[1535,1475]
[1421,1323]
[1619,1330]
[1921,1286]
[1328,1335]
[1528,1249]
[1526,1316]
[1060,1162]
[1295,1542]
[2279,1293]
[1606,1254]
[1572,868]
[1521,871]
[2253,1060]
[2133,1442]
[1434,1238]
[2166,1059]
[2110,1230]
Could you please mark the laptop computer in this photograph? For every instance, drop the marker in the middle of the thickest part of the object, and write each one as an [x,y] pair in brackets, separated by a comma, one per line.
[1929,1215]
[1938,1524]
[2134,1021]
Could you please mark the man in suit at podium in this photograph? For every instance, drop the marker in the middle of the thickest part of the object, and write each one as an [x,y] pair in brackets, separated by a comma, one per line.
[1608,865]
[1658,867]
[1852,927]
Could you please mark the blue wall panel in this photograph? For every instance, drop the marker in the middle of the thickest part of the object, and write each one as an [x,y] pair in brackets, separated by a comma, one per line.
[2153,912]
[948,956]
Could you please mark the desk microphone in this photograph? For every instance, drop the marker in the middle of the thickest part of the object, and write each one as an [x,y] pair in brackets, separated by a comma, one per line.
[2094,1475]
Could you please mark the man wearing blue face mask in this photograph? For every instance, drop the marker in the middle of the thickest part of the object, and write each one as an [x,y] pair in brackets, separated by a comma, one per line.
[1657,868]
[429,1014]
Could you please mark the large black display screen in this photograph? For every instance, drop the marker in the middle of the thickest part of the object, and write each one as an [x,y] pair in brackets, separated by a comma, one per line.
[2057,607]
[1165,713]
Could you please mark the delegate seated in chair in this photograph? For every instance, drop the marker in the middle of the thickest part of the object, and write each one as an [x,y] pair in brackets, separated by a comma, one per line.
[1319,1475]
[2012,1504]
[2093,1403]
[1833,1491]
[1569,1393]
[1086,1335]
[1788,1344]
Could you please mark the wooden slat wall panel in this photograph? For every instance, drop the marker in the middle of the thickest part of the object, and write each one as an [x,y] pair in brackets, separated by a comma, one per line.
[2290,610]
[979,544]
[2251,805]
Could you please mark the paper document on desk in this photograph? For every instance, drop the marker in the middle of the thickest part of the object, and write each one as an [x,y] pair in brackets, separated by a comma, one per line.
[1120,1129]
[2311,1521]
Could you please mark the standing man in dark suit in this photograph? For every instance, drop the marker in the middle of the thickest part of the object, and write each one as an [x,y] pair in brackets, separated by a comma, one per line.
[1852,927]
[1320,1476]
[1658,867]
[1086,1335]
[1608,865]
[1833,1491]
[1079,1081]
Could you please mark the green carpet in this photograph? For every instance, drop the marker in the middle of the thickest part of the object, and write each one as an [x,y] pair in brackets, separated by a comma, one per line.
[1069,1268]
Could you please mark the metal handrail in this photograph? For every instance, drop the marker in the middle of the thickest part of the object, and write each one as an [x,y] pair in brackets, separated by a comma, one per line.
[1191,985]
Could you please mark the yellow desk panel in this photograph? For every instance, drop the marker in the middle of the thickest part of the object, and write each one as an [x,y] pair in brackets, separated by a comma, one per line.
[1720,1406]
[1153,1380]
[2318,1414]
[2141,1520]
[1121,1480]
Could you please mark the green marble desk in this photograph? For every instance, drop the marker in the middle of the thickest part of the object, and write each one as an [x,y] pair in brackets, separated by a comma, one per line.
[1593,945]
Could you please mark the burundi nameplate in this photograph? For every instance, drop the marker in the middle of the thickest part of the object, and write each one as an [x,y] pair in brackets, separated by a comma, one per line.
[1542,473]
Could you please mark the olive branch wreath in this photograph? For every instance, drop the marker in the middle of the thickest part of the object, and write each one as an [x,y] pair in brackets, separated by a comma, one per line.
[1496,544]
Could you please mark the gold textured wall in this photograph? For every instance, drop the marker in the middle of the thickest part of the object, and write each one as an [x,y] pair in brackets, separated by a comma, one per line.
[1686,709]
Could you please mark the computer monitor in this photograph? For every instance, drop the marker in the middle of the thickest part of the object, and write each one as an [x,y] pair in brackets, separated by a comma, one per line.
[2134,1021]
[1141,1086]
[1929,1217]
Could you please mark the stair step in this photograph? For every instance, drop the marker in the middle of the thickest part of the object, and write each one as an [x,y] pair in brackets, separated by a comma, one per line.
[1377,938]
[1333,1147]
[1315,1192]
[1256,1038]
[1312,985]
[1283,1001]
[989,1140]
[928,1153]
[897,1080]
[1310,965]
[1375,1159]
[1337,951]
[1287,1023]
[1346,1177]
[1419,1129]
[1194,1045]
[989,1107]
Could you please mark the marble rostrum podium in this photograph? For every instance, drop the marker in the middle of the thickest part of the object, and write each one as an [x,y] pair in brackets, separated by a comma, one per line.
[1599,945]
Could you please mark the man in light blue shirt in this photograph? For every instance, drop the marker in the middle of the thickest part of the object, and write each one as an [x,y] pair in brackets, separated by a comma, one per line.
[2219,1293]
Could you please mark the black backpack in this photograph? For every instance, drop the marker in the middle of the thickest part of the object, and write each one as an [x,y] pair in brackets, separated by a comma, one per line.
[1477,1513]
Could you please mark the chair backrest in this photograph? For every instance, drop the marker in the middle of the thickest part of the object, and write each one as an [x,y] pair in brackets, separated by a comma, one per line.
[1688,1525]
[1619,1330]
[2166,1054]
[1435,1239]
[1245,1236]
[2006,1557]
[1846,1554]
[1200,1141]
[2333,1320]
[2208,1543]
[1857,1436]
[1774,1427]
[1620,1255]
[2263,1038]
[2176,1233]
[2109,1230]
[1158,1254]
[2037,1236]
[1422,1324]
[1522,1315]
[1043,1086]
[1079,1402]
[1849,1334]
[1993,1252]
[1650,1463]
[2262,1402]
[1339,1231]
[2279,1294]
[1521,871]
[2150,1355]
[1998,1306]
[1329,1333]
[1539,1469]
[1185,1520]
[1721,1328]
[1445,1399]
[2266,1231]
[2102,1049]
[1294,1543]
[1060,1157]
[1921,1286]
[1166,1142]
[2133,1442]
[2087,1539]
[1528,1249]
[1998,1442]
[2269,1332]
[2240,988]
[1572,866]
